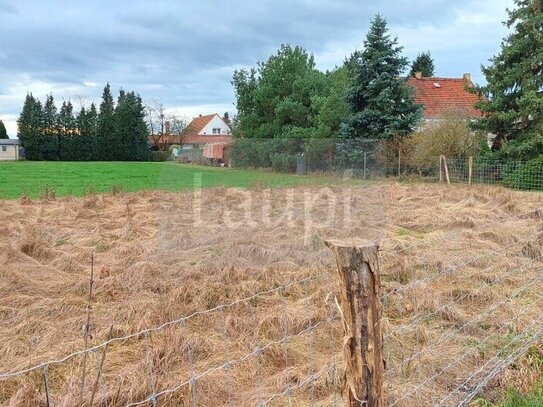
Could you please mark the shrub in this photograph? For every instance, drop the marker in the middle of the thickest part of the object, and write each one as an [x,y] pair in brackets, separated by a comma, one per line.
[284,162]
[160,155]
[257,153]
[450,136]
[526,176]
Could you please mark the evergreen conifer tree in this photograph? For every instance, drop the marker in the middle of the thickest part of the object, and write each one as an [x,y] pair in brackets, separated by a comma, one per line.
[106,140]
[130,128]
[3,131]
[29,126]
[67,131]
[512,100]
[423,64]
[49,130]
[93,125]
[381,104]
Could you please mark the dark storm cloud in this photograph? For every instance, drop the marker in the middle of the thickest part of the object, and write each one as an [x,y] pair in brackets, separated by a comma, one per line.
[182,53]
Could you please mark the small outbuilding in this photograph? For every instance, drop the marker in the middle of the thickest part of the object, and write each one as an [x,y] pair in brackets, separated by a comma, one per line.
[9,149]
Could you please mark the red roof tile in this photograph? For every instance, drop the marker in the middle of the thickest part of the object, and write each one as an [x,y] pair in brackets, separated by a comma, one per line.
[197,124]
[450,93]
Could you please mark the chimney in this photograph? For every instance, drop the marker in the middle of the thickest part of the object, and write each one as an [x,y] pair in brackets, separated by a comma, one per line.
[467,78]
[418,75]
[168,127]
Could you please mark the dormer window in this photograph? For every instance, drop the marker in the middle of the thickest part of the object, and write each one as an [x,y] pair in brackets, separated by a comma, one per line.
[216,131]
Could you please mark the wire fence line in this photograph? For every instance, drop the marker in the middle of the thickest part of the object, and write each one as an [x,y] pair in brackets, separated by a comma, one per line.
[377,159]
[519,337]
[450,269]
[449,332]
[144,332]
[459,395]
[227,364]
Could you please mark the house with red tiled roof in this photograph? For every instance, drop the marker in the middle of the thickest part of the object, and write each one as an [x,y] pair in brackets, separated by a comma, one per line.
[206,129]
[441,95]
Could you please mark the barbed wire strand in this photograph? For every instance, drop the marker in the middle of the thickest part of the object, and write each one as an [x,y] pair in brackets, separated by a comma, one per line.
[241,359]
[480,316]
[309,379]
[448,273]
[499,368]
[456,361]
[451,269]
[140,333]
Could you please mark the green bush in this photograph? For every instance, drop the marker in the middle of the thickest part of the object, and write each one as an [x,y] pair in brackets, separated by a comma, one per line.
[527,176]
[257,153]
[284,162]
[160,155]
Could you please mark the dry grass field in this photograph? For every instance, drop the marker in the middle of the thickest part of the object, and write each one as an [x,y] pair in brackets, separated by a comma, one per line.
[461,275]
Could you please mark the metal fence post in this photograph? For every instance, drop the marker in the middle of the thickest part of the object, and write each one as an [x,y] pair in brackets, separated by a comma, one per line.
[365,164]
[361,309]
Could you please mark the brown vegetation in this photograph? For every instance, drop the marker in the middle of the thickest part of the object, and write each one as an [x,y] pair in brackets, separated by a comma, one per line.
[448,256]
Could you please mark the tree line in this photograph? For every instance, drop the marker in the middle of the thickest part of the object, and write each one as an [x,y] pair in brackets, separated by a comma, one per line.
[114,132]
[287,97]
[366,97]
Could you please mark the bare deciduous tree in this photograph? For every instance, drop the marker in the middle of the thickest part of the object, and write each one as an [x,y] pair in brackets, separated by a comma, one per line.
[162,124]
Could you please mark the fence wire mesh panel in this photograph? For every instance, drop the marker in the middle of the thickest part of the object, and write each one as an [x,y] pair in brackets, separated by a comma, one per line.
[377,159]
[524,175]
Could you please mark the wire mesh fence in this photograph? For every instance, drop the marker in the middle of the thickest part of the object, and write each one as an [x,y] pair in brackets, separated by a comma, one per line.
[375,159]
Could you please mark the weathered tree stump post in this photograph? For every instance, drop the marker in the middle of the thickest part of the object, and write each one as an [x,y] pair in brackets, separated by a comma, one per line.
[361,308]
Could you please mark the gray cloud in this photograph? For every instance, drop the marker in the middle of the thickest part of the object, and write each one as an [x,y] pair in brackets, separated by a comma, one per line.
[183,53]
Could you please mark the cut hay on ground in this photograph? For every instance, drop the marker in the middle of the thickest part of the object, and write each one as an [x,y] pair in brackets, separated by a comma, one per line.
[450,257]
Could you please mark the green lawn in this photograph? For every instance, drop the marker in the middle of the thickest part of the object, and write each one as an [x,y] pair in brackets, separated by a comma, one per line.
[76,178]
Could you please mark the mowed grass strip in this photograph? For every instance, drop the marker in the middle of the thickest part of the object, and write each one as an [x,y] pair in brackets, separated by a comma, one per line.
[27,178]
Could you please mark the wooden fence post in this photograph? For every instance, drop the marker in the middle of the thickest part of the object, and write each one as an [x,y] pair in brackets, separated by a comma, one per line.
[470,170]
[440,169]
[361,308]
[446,167]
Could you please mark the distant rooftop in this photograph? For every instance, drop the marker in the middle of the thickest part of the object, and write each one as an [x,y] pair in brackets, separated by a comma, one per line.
[9,142]
[438,95]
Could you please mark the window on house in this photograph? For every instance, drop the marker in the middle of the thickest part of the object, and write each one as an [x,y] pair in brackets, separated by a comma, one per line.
[4,148]
[216,131]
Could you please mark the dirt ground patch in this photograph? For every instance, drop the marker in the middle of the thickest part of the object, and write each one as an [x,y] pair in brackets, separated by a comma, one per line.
[462,279]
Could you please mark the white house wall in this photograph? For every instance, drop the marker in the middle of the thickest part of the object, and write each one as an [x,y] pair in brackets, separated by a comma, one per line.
[215,123]
[11,153]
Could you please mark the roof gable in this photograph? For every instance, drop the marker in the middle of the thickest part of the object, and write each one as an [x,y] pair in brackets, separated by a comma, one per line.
[198,124]
[438,95]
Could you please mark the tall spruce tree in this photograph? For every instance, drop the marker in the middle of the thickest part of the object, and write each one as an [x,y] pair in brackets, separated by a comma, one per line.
[92,117]
[84,137]
[29,128]
[130,128]
[424,64]
[381,104]
[67,131]
[3,131]
[49,130]
[512,100]
[106,142]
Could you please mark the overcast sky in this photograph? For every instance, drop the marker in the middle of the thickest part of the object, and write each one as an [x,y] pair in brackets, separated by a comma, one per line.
[183,53]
